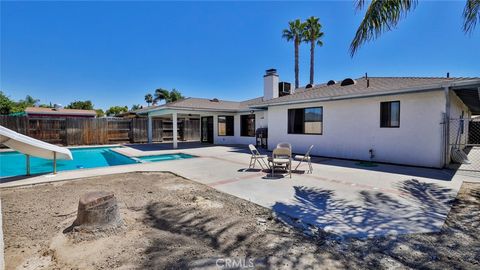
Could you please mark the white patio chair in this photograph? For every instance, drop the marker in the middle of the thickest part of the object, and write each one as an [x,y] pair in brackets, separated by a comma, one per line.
[305,158]
[256,157]
[281,157]
[284,145]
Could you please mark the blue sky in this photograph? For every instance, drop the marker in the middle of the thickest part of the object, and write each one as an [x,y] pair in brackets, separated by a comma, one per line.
[113,53]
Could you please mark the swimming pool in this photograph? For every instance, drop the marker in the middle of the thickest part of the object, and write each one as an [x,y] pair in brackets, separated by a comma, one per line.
[14,163]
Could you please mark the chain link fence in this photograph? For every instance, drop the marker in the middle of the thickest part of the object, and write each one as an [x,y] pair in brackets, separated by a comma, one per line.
[464,143]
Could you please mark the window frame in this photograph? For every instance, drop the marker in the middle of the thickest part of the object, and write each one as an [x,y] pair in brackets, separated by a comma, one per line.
[226,125]
[241,125]
[389,125]
[304,109]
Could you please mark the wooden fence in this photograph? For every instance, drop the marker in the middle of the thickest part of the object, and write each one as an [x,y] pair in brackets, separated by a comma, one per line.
[90,131]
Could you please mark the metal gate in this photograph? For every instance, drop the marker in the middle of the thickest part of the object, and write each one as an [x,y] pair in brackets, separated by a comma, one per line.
[464,143]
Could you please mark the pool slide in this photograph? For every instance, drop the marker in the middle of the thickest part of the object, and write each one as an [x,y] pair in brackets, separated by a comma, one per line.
[33,147]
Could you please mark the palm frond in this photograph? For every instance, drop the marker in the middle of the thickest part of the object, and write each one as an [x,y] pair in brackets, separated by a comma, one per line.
[381,16]
[471,15]
[359,4]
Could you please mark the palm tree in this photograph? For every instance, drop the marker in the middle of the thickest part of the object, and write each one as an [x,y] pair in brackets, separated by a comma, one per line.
[168,96]
[161,94]
[383,15]
[313,35]
[295,32]
[175,95]
[149,99]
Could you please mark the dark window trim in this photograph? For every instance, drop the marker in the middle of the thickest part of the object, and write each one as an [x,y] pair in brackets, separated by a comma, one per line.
[314,107]
[254,125]
[399,109]
[233,125]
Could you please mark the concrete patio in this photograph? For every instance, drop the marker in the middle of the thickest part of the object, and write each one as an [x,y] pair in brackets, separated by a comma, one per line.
[340,196]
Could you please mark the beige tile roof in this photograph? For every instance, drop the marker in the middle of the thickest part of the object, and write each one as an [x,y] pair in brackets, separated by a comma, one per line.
[377,85]
[40,110]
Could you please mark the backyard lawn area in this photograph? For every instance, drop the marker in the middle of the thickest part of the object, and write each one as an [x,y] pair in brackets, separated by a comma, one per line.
[172,222]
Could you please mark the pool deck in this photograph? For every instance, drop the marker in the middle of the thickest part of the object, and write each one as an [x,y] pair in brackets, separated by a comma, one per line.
[339,196]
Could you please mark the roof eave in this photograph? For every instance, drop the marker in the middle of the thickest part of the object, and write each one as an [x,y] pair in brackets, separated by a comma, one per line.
[424,88]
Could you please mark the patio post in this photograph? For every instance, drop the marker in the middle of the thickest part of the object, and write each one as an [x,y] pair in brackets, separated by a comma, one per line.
[175,131]
[149,128]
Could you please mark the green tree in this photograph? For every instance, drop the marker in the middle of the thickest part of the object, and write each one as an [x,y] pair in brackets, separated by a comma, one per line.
[46,105]
[383,15]
[29,101]
[161,94]
[114,110]
[149,99]
[175,95]
[100,112]
[313,35]
[80,105]
[6,104]
[168,96]
[295,33]
[136,107]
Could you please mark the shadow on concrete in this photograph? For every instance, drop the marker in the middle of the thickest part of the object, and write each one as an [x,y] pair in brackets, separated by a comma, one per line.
[423,207]
[412,171]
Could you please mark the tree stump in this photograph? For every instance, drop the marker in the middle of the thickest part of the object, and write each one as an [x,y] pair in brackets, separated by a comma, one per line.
[97,210]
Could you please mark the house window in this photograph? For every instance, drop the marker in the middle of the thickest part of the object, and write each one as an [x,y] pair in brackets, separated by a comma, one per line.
[390,114]
[225,125]
[247,125]
[305,121]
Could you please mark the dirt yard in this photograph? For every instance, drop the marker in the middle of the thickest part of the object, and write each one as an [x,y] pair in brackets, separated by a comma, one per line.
[174,223]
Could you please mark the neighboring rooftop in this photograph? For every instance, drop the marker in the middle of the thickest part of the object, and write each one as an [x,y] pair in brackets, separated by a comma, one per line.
[377,85]
[59,111]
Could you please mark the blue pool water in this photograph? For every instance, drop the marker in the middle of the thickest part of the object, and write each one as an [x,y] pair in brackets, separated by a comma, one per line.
[165,157]
[14,163]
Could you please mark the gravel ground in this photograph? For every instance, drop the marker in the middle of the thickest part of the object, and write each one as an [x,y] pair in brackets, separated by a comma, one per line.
[174,223]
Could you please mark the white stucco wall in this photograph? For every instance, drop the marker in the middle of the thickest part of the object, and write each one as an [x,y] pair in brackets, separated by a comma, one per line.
[351,127]
[260,121]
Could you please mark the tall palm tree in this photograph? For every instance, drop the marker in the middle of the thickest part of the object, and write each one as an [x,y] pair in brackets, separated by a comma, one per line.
[313,35]
[149,99]
[295,32]
[383,15]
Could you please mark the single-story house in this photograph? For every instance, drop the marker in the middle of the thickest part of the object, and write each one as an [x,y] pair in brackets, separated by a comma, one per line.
[59,112]
[402,120]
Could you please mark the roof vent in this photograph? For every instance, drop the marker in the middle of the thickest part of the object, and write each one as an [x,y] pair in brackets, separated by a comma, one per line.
[214,100]
[309,85]
[348,81]
[331,82]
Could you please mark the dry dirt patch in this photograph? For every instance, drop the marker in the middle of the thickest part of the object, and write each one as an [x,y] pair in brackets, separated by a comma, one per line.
[171,222]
